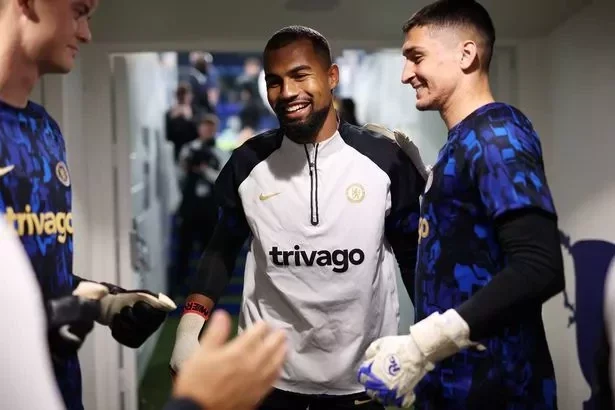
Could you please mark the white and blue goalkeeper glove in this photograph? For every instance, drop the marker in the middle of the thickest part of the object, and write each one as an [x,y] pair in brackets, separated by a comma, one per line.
[394,365]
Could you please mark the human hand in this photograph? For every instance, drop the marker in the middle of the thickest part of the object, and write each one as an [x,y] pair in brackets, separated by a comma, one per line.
[233,375]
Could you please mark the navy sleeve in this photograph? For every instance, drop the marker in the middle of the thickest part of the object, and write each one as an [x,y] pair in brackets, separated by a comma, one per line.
[227,185]
[533,274]
[217,262]
[401,225]
[508,168]
[406,186]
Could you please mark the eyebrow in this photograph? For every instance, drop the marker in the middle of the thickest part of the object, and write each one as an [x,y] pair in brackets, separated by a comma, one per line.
[89,6]
[84,7]
[412,50]
[299,68]
[292,71]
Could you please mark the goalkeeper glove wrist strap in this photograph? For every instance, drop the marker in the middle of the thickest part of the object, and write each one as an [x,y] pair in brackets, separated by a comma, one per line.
[199,309]
[439,336]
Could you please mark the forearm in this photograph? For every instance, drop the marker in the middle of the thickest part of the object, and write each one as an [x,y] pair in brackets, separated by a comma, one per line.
[532,275]
[213,275]
[216,265]
[405,253]
[402,235]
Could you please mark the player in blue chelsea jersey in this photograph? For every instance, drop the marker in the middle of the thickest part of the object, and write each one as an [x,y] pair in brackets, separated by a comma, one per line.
[489,253]
[40,37]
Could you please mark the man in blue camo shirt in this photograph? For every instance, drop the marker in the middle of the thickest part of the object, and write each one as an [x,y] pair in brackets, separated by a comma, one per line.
[41,37]
[489,253]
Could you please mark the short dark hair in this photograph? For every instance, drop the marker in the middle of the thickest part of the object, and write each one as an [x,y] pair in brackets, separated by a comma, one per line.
[457,13]
[291,34]
[183,89]
[211,119]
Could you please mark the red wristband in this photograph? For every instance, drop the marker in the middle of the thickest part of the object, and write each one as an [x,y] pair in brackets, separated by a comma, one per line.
[194,307]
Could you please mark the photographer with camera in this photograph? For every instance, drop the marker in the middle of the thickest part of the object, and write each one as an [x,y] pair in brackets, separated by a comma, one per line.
[201,162]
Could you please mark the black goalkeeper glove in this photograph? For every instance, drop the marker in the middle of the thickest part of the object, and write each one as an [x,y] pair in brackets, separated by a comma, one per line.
[71,318]
[133,315]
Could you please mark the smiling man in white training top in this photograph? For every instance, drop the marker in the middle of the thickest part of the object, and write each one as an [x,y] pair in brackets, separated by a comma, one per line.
[326,205]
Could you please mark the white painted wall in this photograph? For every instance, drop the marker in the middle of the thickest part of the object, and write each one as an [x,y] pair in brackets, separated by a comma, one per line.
[140,95]
[567,84]
[81,103]
[100,357]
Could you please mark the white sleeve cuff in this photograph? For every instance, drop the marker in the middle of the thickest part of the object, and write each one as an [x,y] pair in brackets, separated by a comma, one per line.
[442,335]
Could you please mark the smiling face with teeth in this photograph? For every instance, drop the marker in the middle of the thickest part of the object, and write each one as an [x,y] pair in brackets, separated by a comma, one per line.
[299,90]
[432,66]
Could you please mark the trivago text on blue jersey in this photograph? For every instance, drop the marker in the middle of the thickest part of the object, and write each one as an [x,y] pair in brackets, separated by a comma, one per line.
[28,223]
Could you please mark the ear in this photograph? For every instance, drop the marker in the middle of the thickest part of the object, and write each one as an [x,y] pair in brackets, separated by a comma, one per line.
[469,54]
[334,76]
[27,8]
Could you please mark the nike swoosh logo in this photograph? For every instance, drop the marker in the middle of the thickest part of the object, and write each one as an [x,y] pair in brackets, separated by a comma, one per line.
[360,402]
[6,170]
[264,197]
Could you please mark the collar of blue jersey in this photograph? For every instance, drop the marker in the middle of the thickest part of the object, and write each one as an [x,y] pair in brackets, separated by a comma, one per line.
[466,122]
[31,109]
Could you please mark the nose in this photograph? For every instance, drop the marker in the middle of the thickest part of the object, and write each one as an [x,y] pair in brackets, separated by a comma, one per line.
[289,90]
[408,72]
[84,34]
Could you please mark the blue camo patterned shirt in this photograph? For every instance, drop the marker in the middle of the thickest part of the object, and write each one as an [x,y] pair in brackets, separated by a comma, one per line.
[35,198]
[490,165]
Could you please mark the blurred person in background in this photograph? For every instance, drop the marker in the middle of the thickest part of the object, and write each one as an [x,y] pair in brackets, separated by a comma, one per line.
[203,79]
[201,162]
[346,110]
[251,113]
[249,78]
[227,140]
[180,119]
